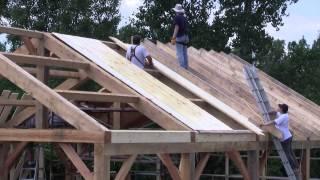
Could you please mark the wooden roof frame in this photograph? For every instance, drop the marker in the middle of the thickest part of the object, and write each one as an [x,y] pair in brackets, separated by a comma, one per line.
[177,138]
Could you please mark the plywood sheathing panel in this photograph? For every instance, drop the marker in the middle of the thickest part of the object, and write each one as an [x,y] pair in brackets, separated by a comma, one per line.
[172,102]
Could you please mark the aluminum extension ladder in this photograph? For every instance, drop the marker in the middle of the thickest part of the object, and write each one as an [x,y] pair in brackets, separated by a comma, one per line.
[264,106]
[30,172]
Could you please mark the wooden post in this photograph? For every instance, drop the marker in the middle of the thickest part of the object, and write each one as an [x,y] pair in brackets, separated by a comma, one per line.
[227,163]
[158,169]
[41,111]
[305,165]
[116,116]
[79,151]
[101,163]
[253,164]
[187,166]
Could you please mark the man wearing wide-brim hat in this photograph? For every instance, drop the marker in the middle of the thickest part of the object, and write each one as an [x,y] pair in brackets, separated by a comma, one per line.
[180,35]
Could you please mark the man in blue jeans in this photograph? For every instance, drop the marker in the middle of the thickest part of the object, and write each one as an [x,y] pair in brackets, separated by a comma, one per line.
[180,37]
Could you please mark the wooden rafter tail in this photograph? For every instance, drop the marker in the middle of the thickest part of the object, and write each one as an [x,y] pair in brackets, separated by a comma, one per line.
[48,97]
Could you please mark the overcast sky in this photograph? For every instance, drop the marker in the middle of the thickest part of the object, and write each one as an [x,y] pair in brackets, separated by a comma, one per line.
[304,20]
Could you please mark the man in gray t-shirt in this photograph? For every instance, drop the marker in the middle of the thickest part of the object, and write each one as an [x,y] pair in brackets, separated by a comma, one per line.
[138,55]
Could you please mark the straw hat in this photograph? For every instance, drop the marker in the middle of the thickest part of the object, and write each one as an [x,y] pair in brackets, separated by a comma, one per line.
[178,8]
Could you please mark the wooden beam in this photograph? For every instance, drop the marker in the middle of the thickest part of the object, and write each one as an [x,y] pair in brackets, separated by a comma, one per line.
[97,97]
[111,44]
[116,116]
[47,97]
[7,109]
[253,164]
[21,32]
[4,96]
[11,102]
[305,165]
[20,117]
[28,112]
[201,165]
[234,155]
[101,163]
[225,136]
[154,148]
[187,166]
[76,161]
[56,135]
[172,169]
[45,61]
[28,44]
[149,136]
[107,81]
[12,158]
[125,168]
[55,73]
[41,115]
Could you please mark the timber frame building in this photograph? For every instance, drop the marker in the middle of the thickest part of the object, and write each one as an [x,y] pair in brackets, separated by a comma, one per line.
[159,112]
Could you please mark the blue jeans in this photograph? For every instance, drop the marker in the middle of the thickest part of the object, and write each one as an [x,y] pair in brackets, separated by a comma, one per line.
[182,50]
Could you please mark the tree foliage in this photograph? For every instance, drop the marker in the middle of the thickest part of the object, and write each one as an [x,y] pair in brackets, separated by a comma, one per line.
[155,20]
[215,24]
[247,19]
[90,18]
[299,67]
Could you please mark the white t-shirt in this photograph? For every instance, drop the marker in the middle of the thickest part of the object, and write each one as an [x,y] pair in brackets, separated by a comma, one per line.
[282,123]
[140,52]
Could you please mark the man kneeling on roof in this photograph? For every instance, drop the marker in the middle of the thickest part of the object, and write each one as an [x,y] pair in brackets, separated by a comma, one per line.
[138,55]
[282,124]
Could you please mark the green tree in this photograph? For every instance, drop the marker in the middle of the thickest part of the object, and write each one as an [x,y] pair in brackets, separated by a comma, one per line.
[155,18]
[247,19]
[90,18]
[127,31]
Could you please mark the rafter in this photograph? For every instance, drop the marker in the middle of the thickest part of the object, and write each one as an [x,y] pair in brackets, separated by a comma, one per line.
[21,32]
[13,102]
[47,96]
[45,61]
[145,106]
[98,97]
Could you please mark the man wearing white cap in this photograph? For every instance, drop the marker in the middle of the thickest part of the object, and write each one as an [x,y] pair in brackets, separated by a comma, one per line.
[180,37]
